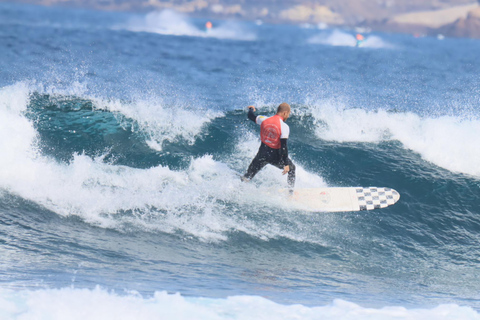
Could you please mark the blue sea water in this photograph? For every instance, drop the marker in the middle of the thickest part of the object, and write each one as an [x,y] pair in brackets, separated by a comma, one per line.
[122,136]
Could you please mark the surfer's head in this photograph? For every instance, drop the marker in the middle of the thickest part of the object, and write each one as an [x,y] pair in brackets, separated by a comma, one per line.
[283,110]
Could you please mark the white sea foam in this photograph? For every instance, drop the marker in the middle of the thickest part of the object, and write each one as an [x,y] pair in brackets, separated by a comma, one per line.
[70,303]
[344,39]
[446,141]
[170,22]
[160,122]
[17,135]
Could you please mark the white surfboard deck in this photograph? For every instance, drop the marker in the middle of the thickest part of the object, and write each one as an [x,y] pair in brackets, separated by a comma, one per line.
[342,199]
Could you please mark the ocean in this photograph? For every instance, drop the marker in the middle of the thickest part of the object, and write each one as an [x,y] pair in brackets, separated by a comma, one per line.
[123,135]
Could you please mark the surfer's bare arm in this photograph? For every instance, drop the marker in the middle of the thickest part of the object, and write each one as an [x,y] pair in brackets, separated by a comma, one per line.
[251,113]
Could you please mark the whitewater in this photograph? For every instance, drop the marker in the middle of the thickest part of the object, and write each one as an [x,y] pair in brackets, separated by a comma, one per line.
[123,135]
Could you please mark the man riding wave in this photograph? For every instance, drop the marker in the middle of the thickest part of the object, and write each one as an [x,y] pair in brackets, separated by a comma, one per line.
[273,150]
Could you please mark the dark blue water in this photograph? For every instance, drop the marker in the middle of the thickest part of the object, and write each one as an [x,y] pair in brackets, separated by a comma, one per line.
[121,137]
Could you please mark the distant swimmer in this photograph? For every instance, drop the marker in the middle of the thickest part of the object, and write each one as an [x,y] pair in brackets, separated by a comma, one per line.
[273,149]
[360,39]
[208,26]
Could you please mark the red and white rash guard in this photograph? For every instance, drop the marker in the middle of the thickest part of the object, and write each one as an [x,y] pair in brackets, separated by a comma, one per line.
[272,130]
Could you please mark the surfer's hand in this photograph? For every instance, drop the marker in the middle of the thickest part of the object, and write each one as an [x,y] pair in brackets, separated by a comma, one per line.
[252,107]
[286,169]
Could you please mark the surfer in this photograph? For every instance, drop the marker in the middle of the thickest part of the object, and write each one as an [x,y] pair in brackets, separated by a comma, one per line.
[360,39]
[273,149]
[208,26]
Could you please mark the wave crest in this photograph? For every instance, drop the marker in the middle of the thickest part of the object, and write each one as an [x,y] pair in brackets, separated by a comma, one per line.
[445,141]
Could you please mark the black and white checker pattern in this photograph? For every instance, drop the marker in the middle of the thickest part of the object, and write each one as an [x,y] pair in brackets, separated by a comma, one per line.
[375,198]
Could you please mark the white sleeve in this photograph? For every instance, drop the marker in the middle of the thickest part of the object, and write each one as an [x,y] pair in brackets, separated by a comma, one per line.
[260,119]
[285,130]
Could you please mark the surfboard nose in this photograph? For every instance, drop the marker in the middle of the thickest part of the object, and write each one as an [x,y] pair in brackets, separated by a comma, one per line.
[396,195]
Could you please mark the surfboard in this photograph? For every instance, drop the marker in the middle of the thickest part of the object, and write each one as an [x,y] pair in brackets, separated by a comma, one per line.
[342,199]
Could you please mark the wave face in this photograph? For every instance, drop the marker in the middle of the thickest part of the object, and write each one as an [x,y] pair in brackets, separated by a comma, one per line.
[121,153]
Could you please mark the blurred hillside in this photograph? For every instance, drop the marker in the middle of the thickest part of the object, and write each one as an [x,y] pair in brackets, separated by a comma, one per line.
[450,17]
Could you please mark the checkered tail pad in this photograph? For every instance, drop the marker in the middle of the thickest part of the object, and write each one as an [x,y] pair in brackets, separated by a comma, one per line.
[375,198]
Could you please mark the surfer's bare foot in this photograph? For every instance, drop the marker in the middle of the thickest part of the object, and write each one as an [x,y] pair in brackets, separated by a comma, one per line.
[244,179]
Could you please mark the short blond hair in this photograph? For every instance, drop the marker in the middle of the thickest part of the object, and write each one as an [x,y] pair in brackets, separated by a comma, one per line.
[283,107]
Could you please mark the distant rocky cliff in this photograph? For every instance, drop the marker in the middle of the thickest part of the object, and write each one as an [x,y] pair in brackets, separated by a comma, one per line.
[464,27]
[459,18]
